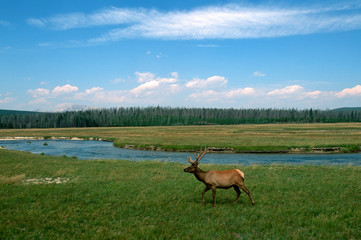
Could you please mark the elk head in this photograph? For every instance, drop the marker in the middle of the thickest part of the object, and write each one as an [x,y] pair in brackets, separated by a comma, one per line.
[194,163]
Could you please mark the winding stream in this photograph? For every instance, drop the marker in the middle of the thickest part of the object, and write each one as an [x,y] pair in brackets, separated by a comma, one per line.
[106,150]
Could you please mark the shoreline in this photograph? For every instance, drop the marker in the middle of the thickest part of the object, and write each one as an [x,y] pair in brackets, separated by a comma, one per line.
[52,138]
[296,150]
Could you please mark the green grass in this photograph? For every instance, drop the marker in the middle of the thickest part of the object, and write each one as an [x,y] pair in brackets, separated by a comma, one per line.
[119,199]
[252,137]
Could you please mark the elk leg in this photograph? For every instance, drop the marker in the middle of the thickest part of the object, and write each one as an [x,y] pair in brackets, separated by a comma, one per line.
[204,191]
[214,195]
[236,188]
[247,191]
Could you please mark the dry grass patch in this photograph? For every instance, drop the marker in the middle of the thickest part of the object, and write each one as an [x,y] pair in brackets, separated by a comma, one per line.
[12,179]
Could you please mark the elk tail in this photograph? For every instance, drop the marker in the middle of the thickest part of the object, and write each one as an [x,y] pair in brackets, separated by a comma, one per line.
[241,173]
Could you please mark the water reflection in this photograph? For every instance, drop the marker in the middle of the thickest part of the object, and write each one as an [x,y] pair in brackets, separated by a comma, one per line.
[105,150]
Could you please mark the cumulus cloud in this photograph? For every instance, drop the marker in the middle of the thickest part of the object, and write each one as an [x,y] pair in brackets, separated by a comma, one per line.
[174,74]
[313,94]
[93,90]
[222,96]
[150,82]
[7,100]
[59,90]
[145,86]
[288,96]
[87,93]
[287,90]
[347,92]
[206,95]
[230,21]
[211,82]
[42,95]
[144,77]
[212,91]
[248,91]
[40,92]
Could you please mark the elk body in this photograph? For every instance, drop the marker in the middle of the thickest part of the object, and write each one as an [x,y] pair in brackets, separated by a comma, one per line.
[217,179]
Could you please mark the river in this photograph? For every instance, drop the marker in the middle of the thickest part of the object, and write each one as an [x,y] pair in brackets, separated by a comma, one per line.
[105,150]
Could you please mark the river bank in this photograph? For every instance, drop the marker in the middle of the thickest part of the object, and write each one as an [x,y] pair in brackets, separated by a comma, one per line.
[50,138]
[253,138]
[294,150]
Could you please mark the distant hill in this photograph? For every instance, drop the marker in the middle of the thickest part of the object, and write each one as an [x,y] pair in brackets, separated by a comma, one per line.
[8,112]
[347,109]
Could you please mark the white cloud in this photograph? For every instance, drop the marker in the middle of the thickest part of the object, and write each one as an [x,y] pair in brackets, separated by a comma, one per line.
[108,16]
[211,82]
[314,94]
[110,96]
[40,92]
[248,91]
[355,91]
[287,90]
[259,74]
[229,21]
[174,74]
[212,92]
[117,80]
[206,96]
[144,77]
[93,90]
[59,90]
[223,96]
[150,82]
[145,86]
[105,96]
[7,100]
[150,77]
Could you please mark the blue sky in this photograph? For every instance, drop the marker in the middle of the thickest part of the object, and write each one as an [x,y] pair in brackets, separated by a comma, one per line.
[240,54]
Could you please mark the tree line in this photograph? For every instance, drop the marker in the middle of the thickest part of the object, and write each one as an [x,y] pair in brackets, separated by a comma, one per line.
[167,116]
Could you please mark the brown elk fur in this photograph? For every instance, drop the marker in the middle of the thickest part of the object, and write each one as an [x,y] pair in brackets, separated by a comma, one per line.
[218,179]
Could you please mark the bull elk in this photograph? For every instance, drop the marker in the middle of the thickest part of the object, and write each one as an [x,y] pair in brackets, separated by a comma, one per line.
[217,179]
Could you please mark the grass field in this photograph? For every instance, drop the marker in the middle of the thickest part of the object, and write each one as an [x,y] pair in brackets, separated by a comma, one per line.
[243,138]
[157,200]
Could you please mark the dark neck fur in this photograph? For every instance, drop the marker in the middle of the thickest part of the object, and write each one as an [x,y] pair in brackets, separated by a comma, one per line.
[199,174]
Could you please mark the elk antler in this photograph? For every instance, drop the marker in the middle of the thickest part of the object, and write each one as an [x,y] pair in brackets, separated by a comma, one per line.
[201,154]
[197,156]
[189,159]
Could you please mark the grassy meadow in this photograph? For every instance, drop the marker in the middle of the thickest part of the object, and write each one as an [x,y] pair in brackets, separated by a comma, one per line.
[242,138]
[46,197]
